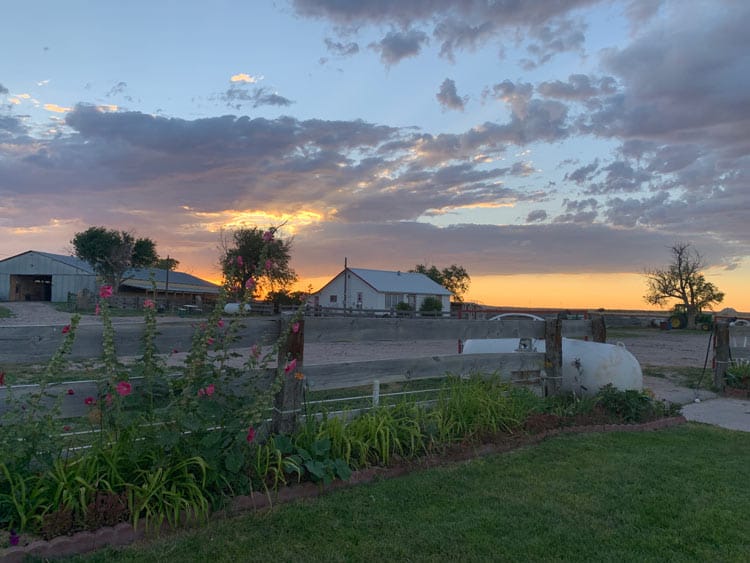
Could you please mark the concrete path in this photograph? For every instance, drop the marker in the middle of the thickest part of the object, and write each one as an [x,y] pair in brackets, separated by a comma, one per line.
[710,408]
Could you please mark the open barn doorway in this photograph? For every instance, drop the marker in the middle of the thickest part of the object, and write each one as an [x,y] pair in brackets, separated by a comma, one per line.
[30,288]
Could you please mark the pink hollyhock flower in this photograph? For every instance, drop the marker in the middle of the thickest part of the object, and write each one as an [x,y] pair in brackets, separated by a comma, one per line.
[108,399]
[250,435]
[210,389]
[268,236]
[269,264]
[255,351]
[175,351]
[148,304]
[240,261]
[71,392]
[123,388]
[2,378]
[97,309]
[291,366]
[89,401]
[105,291]
[295,328]
[250,283]
[201,392]
[220,323]
[66,329]
[66,428]
[209,341]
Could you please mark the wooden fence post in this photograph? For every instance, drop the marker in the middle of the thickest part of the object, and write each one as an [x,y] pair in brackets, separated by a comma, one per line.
[598,328]
[288,401]
[721,354]
[553,355]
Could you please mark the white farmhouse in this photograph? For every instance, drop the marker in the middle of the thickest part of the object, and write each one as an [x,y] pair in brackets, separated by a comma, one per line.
[379,290]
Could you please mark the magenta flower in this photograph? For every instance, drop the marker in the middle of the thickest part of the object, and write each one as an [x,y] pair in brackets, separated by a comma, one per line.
[108,399]
[148,304]
[71,392]
[14,538]
[250,283]
[66,329]
[209,341]
[255,351]
[291,366]
[201,392]
[2,378]
[97,309]
[250,435]
[220,323]
[66,428]
[240,261]
[105,291]
[123,388]
[269,264]
[268,236]
[210,389]
[89,401]
[295,328]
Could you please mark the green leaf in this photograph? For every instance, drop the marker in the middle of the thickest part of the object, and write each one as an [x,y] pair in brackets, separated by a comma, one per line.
[233,461]
[343,471]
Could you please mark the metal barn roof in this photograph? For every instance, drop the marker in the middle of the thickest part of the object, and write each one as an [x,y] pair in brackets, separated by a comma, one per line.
[386,281]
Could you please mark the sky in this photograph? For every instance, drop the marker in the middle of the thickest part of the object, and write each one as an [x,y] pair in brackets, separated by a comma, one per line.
[556,150]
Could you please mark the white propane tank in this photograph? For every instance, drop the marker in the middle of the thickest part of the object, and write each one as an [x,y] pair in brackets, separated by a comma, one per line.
[587,366]
[236,308]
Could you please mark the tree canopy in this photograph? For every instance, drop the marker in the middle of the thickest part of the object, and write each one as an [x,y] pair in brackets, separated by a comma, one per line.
[256,260]
[111,253]
[683,281]
[454,278]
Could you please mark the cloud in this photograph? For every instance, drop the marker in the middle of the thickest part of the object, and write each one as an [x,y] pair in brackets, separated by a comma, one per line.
[237,95]
[448,97]
[579,87]
[3,89]
[341,49]
[56,109]
[536,216]
[554,38]
[398,45]
[246,78]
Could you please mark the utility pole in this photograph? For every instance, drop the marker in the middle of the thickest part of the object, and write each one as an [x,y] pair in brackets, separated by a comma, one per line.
[346,275]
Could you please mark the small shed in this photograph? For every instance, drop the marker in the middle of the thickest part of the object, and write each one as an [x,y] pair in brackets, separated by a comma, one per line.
[379,290]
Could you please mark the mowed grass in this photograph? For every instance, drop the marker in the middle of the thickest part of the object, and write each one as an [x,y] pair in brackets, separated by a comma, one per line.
[674,495]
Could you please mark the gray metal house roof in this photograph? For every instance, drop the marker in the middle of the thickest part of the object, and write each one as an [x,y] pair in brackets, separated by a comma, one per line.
[82,266]
[399,282]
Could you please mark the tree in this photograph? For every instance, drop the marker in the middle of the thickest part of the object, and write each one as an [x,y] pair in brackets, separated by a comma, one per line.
[453,278]
[111,253]
[166,263]
[257,260]
[682,280]
[431,305]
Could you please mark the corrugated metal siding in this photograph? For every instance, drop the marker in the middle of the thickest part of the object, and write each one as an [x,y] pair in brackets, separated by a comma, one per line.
[34,263]
[4,287]
[64,284]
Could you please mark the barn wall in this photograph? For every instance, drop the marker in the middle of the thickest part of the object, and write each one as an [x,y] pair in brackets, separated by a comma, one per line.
[65,278]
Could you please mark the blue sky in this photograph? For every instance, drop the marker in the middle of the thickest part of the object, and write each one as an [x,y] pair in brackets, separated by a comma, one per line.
[519,139]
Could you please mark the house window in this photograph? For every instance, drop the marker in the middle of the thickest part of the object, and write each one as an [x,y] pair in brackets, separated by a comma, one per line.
[334,298]
[393,299]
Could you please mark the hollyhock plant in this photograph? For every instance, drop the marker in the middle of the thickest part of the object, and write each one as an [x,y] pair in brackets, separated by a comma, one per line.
[148,304]
[291,366]
[210,389]
[250,435]
[269,264]
[240,261]
[295,328]
[66,329]
[2,378]
[105,291]
[268,236]
[71,392]
[220,323]
[123,388]
[97,309]
[89,401]
[250,283]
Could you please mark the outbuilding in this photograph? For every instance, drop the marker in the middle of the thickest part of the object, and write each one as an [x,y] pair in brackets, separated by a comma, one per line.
[379,291]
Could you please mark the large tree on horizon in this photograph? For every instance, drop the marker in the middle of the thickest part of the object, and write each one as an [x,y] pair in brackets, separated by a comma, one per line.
[111,253]
[454,278]
[256,260]
[682,280]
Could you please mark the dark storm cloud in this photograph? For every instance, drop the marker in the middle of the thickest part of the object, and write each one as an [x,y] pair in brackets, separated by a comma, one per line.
[536,216]
[460,25]
[341,49]
[583,174]
[489,249]
[399,45]
[237,94]
[448,96]
[10,124]
[3,89]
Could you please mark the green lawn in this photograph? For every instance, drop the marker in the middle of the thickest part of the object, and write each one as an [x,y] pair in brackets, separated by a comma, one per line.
[5,313]
[675,495]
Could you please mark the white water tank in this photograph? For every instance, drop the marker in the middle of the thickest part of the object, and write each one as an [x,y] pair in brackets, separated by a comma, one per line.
[587,366]
[236,308]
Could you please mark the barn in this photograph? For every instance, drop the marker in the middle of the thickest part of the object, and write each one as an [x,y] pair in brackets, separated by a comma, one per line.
[42,276]
[379,290]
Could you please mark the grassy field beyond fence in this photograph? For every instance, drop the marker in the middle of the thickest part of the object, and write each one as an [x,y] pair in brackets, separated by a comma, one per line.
[672,495]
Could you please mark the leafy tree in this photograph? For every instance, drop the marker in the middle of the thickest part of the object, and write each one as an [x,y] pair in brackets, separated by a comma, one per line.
[682,280]
[167,263]
[454,278]
[111,253]
[431,305]
[257,260]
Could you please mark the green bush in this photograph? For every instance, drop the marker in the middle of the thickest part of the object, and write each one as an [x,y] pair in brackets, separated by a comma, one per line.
[431,305]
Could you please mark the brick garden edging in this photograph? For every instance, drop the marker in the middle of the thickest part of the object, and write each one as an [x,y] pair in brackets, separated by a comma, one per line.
[124,533]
